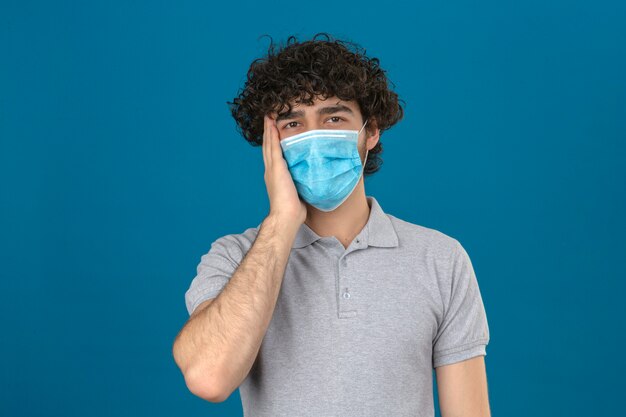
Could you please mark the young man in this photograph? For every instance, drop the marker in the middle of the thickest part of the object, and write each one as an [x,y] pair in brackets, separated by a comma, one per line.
[330,306]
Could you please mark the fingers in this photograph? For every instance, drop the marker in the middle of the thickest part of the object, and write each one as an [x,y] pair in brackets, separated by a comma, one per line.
[271,141]
[265,139]
[275,140]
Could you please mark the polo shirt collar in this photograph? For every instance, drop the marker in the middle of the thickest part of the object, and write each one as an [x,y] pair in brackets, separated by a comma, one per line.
[378,230]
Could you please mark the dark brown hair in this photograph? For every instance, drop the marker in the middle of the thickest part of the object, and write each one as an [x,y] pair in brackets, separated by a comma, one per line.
[302,71]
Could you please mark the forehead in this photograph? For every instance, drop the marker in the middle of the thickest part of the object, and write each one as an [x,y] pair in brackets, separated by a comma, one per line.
[321,102]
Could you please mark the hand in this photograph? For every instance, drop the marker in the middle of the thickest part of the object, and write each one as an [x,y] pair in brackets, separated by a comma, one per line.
[281,190]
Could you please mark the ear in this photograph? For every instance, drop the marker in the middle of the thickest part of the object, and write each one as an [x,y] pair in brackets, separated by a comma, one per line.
[372,133]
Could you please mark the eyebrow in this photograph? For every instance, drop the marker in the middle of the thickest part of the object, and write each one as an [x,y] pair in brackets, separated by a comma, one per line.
[323,110]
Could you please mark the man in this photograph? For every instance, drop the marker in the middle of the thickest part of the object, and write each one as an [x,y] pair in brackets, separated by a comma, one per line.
[330,306]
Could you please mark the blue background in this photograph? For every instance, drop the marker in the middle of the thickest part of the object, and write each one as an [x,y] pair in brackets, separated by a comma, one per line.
[120,164]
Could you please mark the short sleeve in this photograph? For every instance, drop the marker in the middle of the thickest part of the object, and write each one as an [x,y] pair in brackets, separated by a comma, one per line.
[214,271]
[464,331]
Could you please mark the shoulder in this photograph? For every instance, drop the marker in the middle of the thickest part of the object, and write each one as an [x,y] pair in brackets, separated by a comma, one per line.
[236,244]
[425,240]
[242,239]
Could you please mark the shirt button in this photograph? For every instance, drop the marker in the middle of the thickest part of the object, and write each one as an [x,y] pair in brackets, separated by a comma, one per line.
[346,295]
[357,241]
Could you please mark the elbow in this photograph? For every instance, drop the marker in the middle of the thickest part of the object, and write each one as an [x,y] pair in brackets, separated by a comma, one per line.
[201,381]
[206,386]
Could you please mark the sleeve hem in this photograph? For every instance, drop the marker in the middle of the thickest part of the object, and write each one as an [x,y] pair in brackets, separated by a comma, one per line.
[202,296]
[460,353]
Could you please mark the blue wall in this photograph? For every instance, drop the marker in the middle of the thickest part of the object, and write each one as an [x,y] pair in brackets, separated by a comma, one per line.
[120,164]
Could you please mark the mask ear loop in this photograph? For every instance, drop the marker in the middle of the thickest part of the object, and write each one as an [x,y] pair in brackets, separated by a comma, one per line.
[363,126]
[366,150]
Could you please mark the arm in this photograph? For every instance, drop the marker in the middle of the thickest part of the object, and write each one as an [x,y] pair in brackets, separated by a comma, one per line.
[459,348]
[217,347]
[462,389]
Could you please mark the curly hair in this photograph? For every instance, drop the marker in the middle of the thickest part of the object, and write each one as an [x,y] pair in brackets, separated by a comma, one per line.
[302,71]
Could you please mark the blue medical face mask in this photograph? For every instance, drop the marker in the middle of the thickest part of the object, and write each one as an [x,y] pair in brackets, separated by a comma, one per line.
[325,165]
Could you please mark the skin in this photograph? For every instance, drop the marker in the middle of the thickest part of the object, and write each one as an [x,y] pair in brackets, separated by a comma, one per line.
[462,389]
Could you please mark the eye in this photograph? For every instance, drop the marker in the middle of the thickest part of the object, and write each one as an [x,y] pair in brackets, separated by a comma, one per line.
[287,125]
[336,117]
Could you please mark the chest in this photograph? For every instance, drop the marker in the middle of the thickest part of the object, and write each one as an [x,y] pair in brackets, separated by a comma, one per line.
[360,303]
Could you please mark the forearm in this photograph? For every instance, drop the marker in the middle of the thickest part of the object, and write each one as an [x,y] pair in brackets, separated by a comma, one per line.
[217,348]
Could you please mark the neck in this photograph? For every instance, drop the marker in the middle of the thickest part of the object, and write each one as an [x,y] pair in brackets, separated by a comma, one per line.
[346,221]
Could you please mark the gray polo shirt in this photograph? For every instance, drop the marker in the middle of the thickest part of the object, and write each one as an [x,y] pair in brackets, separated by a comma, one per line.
[357,331]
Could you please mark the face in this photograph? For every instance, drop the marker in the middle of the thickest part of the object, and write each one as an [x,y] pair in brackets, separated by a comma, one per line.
[332,113]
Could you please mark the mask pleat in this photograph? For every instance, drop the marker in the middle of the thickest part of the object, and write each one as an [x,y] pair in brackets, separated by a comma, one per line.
[324,164]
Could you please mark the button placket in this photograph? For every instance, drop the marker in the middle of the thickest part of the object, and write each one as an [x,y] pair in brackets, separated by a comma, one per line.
[345,305]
